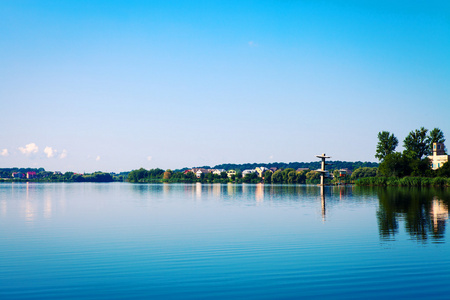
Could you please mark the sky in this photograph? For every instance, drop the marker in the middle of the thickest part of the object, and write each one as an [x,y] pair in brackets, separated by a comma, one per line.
[118,85]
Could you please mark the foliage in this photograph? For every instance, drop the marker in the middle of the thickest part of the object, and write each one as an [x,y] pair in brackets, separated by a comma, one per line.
[98,177]
[404,164]
[395,164]
[436,136]
[387,143]
[364,172]
[417,143]
[297,165]
[167,174]
[443,171]
[405,181]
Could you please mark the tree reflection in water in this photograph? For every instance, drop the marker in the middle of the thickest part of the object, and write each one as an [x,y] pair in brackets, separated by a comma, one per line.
[424,212]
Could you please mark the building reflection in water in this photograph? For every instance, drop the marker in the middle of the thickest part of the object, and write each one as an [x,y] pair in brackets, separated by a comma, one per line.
[198,191]
[424,212]
[259,193]
[216,190]
[231,189]
[30,212]
[439,214]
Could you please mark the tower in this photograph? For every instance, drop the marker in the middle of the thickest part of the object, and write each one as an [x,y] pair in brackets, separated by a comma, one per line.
[322,170]
[438,149]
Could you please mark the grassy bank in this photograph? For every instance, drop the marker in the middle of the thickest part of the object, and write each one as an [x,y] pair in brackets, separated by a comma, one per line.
[405,181]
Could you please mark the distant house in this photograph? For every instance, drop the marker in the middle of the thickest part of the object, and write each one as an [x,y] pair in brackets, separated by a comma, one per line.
[261,170]
[31,175]
[17,175]
[249,171]
[273,169]
[201,171]
[231,173]
[218,171]
[303,169]
[345,171]
[439,157]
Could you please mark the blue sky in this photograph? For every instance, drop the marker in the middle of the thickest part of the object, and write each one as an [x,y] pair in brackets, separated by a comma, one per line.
[119,85]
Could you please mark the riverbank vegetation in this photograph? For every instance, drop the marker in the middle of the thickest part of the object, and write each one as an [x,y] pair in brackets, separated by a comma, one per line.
[412,167]
[41,175]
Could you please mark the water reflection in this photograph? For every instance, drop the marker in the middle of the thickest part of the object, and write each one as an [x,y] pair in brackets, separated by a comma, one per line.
[424,212]
[322,200]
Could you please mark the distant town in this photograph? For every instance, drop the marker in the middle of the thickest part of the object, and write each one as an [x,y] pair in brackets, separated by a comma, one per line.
[294,172]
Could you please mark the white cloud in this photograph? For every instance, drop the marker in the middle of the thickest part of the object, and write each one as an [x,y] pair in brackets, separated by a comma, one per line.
[63,154]
[271,157]
[4,152]
[149,158]
[252,44]
[50,151]
[29,149]
[97,158]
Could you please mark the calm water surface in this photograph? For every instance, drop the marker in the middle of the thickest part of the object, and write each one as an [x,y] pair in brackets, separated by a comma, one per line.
[130,241]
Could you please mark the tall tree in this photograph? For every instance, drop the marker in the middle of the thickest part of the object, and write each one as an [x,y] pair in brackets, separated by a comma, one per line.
[387,143]
[436,136]
[417,143]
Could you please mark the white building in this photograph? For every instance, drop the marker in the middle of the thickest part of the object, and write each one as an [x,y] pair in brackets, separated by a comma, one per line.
[439,158]
[249,171]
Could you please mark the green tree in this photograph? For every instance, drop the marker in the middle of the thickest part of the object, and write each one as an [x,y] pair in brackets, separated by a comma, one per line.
[285,173]
[443,171]
[417,143]
[312,176]
[190,176]
[387,143]
[268,177]
[277,177]
[364,172]
[292,177]
[301,177]
[436,136]
[396,165]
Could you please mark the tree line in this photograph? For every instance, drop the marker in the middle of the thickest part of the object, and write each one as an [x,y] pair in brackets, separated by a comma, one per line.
[337,164]
[47,176]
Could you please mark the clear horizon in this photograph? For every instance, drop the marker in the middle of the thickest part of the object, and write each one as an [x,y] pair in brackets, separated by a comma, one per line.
[116,86]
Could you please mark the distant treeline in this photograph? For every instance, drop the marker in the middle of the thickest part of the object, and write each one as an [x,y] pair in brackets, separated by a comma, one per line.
[337,164]
[45,176]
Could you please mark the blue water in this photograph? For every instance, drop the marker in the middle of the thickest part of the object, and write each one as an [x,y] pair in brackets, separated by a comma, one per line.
[208,241]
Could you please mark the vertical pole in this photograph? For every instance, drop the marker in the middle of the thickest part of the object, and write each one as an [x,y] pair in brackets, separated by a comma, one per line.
[323,169]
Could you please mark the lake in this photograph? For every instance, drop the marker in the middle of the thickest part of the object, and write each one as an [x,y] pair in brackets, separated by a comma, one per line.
[213,241]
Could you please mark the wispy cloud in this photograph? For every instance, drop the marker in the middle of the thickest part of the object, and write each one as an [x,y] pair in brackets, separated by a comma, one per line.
[4,152]
[271,157]
[97,158]
[29,149]
[63,154]
[50,152]
[149,158]
[252,44]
